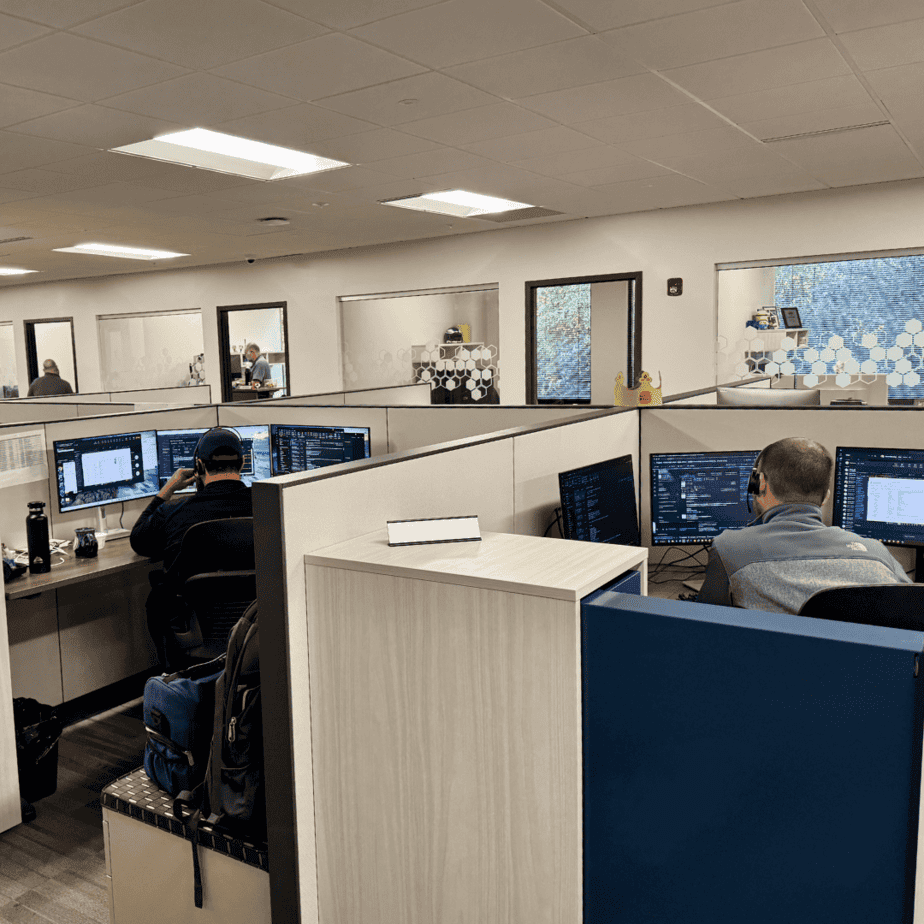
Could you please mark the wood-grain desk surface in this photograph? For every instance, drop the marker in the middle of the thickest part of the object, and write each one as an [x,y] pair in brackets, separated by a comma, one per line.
[116,555]
[556,568]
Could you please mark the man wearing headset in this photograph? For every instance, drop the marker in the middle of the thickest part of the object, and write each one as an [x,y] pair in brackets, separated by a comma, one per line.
[787,553]
[220,493]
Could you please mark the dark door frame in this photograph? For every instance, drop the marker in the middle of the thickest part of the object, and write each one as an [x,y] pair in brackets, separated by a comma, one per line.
[634,340]
[32,363]
[224,343]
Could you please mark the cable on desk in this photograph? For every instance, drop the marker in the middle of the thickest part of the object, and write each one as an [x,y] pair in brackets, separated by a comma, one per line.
[677,564]
[121,514]
[555,519]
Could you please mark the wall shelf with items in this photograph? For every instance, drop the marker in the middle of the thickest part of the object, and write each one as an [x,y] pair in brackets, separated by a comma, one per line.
[766,342]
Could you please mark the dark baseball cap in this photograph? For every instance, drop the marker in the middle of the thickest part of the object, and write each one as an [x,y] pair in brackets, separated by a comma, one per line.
[220,445]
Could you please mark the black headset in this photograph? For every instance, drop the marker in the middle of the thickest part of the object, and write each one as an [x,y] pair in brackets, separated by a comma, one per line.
[754,480]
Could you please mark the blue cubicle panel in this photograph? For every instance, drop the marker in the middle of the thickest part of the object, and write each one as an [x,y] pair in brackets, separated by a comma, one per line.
[747,766]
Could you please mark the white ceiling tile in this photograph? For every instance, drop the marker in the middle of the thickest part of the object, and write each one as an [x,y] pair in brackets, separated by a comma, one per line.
[868,155]
[368,147]
[21,151]
[408,100]
[340,15]
[320,67]
[848,15]
[478,124]
[531,144]
[571,63]
[95,126]
[660,192]
[830,93]
[112,195]
[429,163]
[899,88]
[718,32]
[607,14]
[346,178]
[17,104]
[58,14]
[634,126]
[823,120]
[297,126]
[637,169]
[79,68]
[886,46]
[198,100]
[105,167]
[711,141]
[592,157]
[716,168]
[603,100]
[179,178]
[465,30]
[756,186]
[39,181]
[762,70]
[189,205]
[203,34]
[12,195]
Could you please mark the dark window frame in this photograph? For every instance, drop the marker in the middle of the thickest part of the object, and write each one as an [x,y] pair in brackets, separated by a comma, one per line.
[224,343]
[32,361]
[634,357]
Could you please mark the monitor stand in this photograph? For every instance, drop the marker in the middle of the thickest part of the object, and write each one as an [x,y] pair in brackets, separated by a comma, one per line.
[103,532]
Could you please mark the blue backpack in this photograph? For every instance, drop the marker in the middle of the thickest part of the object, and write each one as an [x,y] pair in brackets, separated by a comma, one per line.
[179,715]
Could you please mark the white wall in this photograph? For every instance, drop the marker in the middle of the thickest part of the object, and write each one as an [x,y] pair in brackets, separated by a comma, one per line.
[678,332]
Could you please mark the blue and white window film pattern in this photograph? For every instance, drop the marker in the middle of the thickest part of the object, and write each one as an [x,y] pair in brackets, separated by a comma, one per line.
[563,342]
[863,319]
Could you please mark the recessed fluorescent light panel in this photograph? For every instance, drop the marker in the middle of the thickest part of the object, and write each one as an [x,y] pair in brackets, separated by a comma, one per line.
[11,271]
[458,203]
[128,253]
[208,150]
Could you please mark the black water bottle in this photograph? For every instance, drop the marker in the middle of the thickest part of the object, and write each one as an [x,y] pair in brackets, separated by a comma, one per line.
[37,538]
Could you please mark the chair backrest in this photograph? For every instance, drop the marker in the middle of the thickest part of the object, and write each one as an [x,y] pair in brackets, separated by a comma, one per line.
[215,545]
[214,573]
[898,606]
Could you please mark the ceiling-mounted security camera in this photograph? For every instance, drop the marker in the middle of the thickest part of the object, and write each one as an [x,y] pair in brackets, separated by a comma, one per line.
[250,258]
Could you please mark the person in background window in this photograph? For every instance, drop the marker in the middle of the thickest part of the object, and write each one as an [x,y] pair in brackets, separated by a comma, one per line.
[50,382]
[260,370]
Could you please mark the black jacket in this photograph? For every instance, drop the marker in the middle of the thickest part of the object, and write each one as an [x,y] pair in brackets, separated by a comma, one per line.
[162,525]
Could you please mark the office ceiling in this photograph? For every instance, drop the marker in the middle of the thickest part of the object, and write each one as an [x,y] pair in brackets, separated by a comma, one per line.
[579,107]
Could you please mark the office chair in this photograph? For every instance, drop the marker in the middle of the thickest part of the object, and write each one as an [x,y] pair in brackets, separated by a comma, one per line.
[214,576]
[897,606]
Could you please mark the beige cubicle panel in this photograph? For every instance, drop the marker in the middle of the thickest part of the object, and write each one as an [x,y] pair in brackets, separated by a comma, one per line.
[541,455]
[417,427]
[393,395]
[108,407]
[39,411]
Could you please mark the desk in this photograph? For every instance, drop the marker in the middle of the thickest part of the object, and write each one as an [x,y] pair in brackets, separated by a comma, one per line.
[249,394]
[80,627]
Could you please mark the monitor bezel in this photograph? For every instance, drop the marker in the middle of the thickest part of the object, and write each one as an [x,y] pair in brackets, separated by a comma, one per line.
[342,427]
[651,488]
[566,529]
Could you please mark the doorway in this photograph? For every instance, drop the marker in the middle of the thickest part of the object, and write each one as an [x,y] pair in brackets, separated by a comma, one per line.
[581,332]
[264,325]
[51,338]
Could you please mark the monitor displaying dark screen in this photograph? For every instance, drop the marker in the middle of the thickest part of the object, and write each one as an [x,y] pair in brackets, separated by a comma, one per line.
[175,449]
[299,448]
[93,471]
[879,493]
[697,495]
[598,503]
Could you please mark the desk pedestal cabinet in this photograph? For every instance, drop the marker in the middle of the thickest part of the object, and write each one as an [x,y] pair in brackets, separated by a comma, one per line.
[445,695]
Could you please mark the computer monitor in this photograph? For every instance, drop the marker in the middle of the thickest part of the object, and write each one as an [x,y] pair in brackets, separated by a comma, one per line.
[93,471]
[598,502]
[175,450]
[300,448]
[879,493]
[767,397]
[697,495]
[235,366]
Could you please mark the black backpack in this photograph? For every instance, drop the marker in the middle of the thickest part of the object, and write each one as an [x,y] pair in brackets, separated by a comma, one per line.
[231,797]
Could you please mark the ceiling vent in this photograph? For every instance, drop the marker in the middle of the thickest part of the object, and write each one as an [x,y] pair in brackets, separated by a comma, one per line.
[827,131]
[14,240]
[273,220]
[518,214]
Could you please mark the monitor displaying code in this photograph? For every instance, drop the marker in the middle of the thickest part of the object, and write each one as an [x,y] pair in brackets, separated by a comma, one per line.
[176,449]
[302,448]
[598,503]
[879,493]
[94,471]
[697,495]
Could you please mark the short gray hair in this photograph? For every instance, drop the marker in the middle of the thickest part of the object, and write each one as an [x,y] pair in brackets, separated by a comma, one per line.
[49,366]
[251,346]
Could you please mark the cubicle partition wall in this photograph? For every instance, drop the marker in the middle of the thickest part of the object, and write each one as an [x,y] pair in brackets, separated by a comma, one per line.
[19,411]
[391,395]
[180,395]
[510,481]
